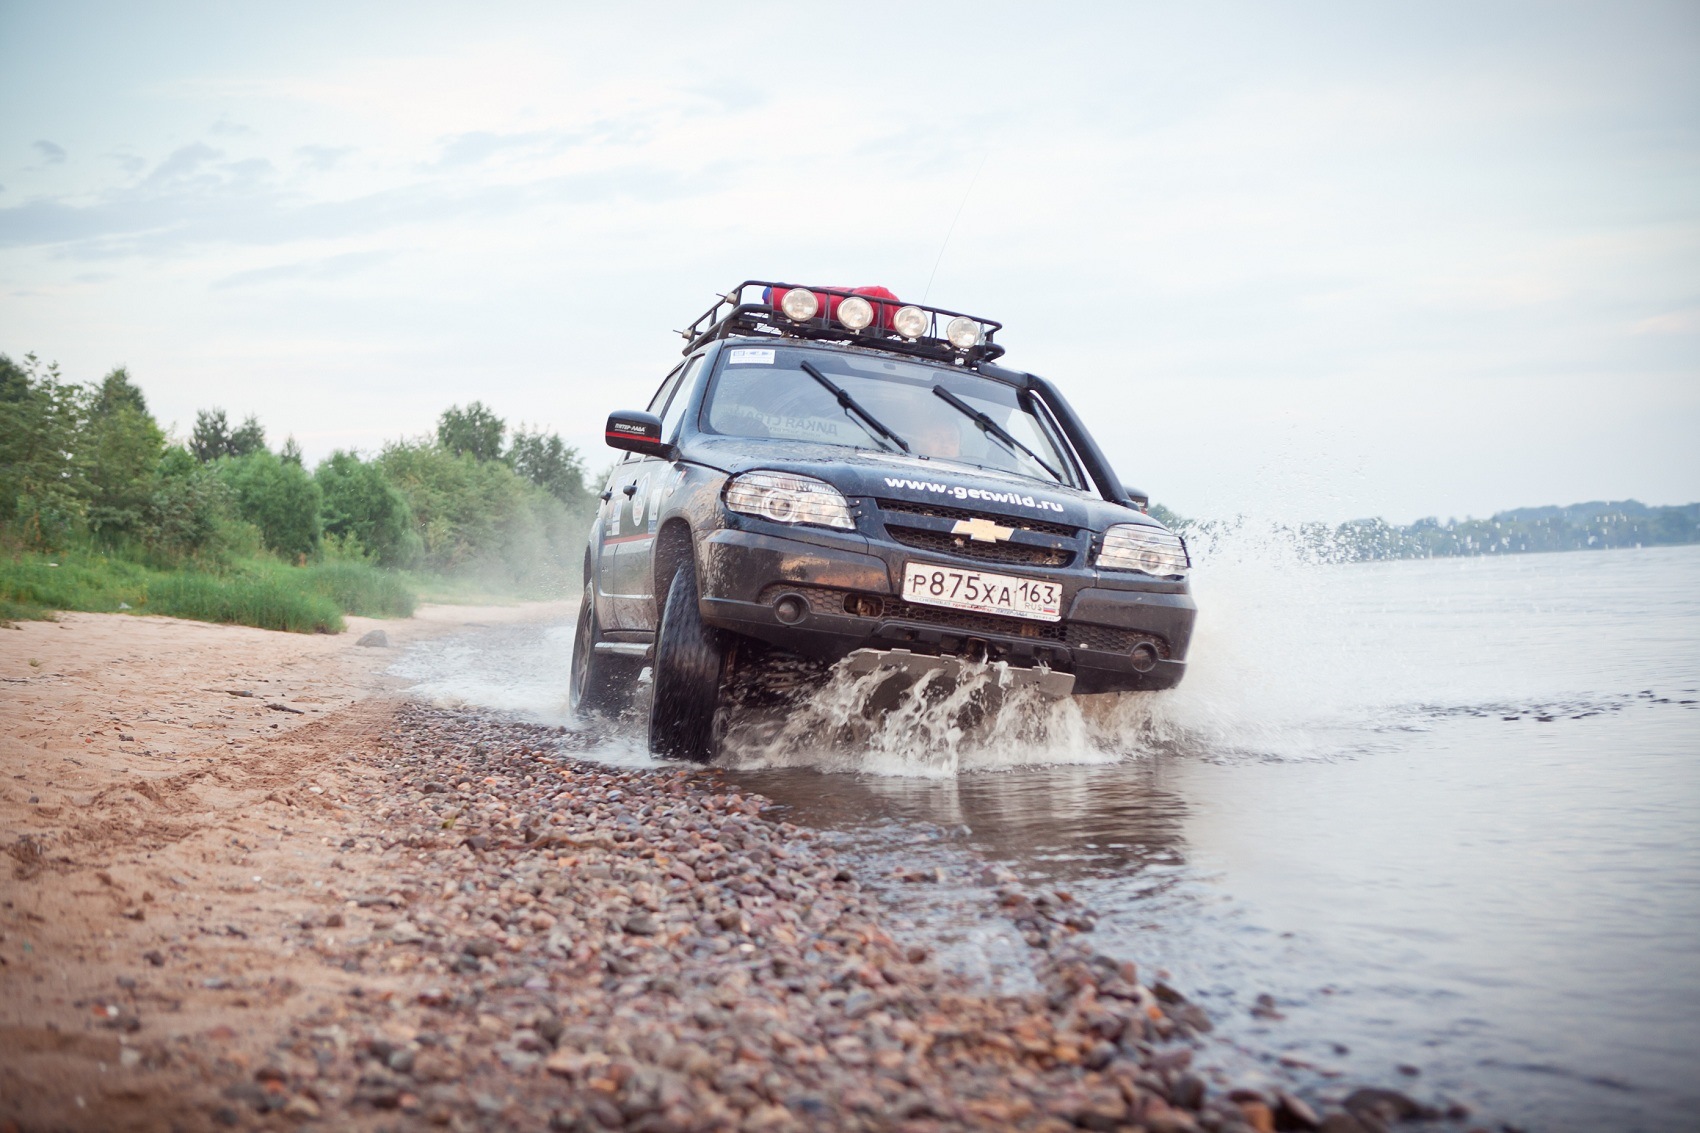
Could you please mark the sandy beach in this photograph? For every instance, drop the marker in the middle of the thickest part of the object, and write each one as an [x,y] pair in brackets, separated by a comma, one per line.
[251,885]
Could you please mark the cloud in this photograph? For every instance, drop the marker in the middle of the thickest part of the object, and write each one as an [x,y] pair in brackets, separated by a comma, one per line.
[322,157]
[470,149]
[192,200]
[331,267]
[183,162]
[227,129]
[1676,322]
[731,95]
[129,162]
[53,154]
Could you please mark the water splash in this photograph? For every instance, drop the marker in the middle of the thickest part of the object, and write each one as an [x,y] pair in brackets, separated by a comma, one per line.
[934,727]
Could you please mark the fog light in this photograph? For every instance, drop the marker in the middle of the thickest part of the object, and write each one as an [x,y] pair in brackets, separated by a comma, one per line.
[963,332]
[790,609]
[800,304]
[856,312]
[910,322]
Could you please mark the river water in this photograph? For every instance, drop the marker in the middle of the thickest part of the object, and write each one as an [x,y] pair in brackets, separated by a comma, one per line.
[1445,813]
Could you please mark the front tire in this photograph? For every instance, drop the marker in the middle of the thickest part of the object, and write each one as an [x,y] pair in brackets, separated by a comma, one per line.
[689,666]
[601,684]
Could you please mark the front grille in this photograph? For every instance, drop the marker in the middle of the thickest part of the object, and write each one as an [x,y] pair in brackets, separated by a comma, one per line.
[1039,526]
[964,548]
[1108,639]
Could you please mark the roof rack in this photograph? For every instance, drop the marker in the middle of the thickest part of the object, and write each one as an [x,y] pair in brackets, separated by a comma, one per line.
[736,314]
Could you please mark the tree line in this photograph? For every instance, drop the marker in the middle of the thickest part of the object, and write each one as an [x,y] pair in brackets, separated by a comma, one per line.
[89,466]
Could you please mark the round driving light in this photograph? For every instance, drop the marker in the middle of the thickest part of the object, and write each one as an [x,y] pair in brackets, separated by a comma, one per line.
[963,332]
[800,304]
[855,312]
[910,322]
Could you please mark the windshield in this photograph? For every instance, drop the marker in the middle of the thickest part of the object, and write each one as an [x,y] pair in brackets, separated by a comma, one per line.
[767,392]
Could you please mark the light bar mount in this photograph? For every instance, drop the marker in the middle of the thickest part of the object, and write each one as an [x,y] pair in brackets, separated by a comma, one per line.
[737,314]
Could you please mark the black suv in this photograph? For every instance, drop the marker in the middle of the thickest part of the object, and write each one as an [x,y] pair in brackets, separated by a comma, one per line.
[834,475]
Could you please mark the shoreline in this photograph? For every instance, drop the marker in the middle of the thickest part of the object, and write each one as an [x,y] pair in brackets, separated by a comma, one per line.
[379,914]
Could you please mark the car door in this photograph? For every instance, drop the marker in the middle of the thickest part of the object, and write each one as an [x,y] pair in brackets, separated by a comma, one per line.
[637,494]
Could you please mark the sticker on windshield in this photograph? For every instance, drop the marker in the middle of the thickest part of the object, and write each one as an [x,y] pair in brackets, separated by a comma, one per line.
[751,358]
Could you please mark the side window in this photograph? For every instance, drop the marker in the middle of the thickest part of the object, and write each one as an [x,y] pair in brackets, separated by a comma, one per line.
[659,401]
[681,398]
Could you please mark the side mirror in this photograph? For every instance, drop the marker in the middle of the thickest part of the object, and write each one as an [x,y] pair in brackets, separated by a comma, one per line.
[636,432]
[1141,500]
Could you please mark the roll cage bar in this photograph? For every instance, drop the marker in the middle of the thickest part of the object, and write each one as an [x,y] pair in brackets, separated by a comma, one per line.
[736,315]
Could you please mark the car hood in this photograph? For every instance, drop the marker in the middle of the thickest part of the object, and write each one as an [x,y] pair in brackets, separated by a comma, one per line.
[915,479]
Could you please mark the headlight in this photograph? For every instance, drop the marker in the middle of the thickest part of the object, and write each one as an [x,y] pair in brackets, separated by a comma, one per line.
[1141,547]
[785,498]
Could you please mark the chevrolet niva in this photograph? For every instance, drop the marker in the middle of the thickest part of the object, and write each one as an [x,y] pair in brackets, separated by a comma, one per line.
[832,475]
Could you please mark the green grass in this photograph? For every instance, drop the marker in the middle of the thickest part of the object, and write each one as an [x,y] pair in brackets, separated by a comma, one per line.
[22,612]
[245,600]
[358,588]
[257,592]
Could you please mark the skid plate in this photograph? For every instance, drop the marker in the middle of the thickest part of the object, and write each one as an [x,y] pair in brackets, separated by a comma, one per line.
[1049,683]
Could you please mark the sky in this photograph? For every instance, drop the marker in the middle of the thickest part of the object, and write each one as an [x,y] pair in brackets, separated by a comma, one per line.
[1303,261]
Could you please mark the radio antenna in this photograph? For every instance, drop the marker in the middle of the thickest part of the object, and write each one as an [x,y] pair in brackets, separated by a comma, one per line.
[952,229]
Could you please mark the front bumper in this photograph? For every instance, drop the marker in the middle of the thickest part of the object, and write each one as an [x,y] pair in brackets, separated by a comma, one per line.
[1117,634]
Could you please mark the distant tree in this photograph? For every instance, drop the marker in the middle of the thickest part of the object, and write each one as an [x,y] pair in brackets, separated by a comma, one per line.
[40,415]
[250,438]
[14,381]
[474,430]
[360,503]
[211,438]
[547,461]
[118,452]
[291,452]
[115,392]
[1168,518]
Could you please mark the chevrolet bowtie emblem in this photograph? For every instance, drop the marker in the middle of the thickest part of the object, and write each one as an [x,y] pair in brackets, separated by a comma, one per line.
[982,530]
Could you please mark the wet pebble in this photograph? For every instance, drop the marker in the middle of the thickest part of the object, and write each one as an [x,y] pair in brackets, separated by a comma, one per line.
[601,948]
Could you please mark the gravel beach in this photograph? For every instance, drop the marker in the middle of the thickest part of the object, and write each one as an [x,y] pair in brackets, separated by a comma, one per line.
[397,916]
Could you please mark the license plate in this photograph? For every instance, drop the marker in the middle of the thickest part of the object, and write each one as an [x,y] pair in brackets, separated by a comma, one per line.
[982,591]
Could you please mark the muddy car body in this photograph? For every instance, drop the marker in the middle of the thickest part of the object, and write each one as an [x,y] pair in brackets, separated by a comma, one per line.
[883,493]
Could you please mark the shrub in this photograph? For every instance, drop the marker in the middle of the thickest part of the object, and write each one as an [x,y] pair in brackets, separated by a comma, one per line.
[279,498]
[191,514]
[359,503]
[481,516]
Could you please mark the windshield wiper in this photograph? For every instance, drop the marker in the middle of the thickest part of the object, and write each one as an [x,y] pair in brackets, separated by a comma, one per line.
[874,424]
[987,425]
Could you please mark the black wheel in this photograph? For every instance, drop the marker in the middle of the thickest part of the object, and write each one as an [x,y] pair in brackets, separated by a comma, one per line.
[690,664]
[601,683]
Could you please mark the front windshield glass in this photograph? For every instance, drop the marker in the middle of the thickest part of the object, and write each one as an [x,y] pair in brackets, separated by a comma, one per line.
[766,392]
